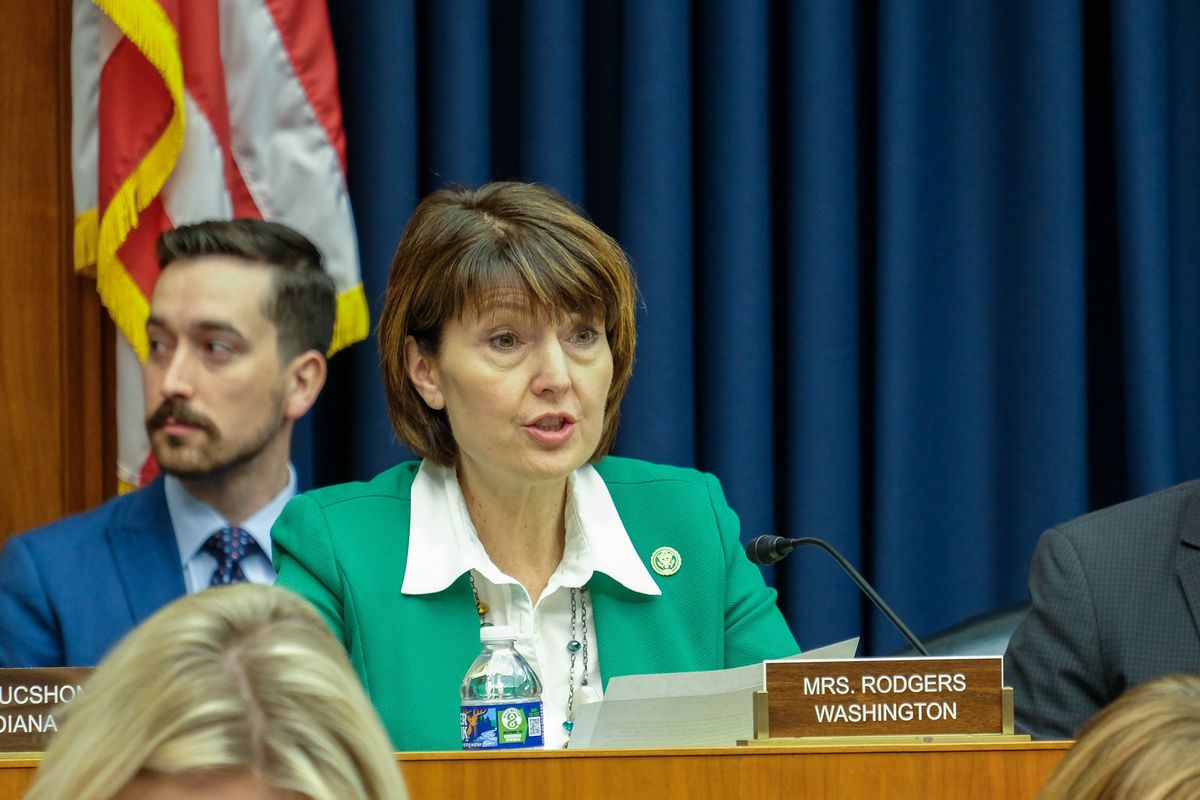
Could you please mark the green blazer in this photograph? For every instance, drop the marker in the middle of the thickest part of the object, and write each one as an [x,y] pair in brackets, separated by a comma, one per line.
[345,547]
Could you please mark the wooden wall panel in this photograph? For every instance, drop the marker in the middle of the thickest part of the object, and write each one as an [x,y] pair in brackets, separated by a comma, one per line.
[56,441]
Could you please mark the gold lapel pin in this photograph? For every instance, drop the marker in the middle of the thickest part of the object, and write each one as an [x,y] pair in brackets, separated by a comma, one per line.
[665,561]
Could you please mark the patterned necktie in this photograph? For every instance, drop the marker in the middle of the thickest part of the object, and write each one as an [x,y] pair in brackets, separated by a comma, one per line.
[229,546]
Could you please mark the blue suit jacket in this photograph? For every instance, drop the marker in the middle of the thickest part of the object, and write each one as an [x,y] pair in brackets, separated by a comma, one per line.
[70,590]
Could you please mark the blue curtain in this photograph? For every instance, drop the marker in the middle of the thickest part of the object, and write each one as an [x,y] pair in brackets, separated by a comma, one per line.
[920,278]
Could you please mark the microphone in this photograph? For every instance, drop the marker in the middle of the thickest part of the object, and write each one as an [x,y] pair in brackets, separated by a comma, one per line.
[769,549]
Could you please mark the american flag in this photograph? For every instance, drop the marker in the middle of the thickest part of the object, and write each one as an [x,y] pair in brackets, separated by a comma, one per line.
[187,110]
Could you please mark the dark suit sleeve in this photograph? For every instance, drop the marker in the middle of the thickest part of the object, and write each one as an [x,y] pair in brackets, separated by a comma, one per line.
[1054,661]
[754,627]
[29,635]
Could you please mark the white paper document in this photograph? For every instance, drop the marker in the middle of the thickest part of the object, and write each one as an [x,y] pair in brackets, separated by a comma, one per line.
[681,709]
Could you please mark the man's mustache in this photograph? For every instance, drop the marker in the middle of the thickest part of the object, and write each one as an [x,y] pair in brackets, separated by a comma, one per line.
[174,409]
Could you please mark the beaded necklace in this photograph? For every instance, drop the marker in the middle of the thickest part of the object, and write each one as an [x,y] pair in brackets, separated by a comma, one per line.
[577,644]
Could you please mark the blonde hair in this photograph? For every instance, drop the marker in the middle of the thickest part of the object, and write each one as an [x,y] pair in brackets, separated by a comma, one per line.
[1143,745]
[239,678]
[460,246]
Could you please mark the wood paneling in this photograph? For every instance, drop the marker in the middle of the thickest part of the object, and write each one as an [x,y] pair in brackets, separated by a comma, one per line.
[56,445]
[910,772]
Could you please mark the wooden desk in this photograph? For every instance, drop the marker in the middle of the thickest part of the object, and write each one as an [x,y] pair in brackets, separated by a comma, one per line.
[896,772]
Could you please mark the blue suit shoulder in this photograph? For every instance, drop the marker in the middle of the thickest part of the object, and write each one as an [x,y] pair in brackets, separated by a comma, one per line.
[63,598]
[61,534]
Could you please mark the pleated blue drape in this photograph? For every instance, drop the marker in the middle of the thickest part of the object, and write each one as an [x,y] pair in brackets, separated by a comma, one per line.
[919,278]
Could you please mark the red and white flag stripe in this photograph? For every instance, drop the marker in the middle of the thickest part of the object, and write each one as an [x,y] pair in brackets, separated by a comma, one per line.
[187,110]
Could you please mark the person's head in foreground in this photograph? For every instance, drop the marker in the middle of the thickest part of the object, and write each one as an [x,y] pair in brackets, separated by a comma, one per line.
[239,693]
[499,300]
[1142,746]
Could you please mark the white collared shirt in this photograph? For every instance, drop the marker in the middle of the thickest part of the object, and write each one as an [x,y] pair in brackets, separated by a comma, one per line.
[195,521]
[443,544]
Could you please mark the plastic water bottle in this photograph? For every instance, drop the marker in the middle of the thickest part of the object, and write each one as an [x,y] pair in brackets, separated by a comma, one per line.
[501,696]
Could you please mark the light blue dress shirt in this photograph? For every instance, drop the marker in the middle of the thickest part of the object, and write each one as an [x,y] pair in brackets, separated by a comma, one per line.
[195,521]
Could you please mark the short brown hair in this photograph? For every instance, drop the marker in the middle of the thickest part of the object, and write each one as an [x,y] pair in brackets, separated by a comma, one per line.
[1141,745]
[462,244]
[302,303]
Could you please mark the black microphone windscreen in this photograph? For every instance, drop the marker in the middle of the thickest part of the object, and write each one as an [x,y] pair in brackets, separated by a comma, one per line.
[768,549]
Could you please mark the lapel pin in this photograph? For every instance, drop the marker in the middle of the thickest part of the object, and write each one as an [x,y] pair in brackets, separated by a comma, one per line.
[665,561]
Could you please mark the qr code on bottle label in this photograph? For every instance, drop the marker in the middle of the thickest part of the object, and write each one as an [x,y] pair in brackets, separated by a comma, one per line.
[504,727]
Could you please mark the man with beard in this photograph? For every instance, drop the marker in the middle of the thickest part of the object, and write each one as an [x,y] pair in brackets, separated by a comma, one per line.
[240,319]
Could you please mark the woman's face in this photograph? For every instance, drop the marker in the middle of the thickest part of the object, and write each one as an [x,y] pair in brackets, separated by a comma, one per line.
[525,398]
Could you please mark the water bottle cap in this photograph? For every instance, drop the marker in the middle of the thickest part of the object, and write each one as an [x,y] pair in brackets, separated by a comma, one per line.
[494,634]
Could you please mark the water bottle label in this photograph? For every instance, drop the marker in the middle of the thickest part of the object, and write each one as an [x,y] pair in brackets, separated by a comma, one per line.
[502,727]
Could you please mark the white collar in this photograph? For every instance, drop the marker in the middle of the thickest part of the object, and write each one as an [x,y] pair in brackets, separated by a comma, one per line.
[443,543]
[194,521]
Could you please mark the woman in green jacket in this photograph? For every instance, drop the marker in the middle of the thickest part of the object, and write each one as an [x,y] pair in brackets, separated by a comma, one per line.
[507,341]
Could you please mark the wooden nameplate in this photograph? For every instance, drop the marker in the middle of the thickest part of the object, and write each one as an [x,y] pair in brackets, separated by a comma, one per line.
[884,701]
[29,699]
